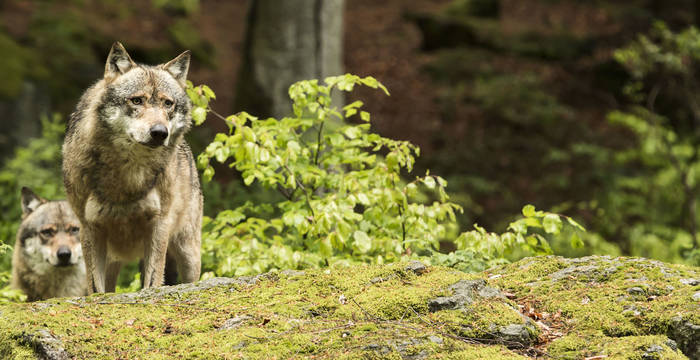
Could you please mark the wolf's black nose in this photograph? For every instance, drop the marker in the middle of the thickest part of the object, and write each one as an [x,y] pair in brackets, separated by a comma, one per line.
[63,255]
[159,133]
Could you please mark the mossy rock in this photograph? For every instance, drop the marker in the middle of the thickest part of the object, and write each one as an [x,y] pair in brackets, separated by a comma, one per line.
[546,306]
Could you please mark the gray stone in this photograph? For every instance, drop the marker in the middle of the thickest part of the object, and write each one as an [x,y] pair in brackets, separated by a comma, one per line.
[653,352]
[382,349]
[234,322]
[696,296]
[416,267]
[631,310]
[655,348]
[404,348]
[380,279]
[635,291]
[181,289]
[573,271]
[292,273]
[38,306]
[671,344]
[45,345]
[465,293]
[240,345]
[687,336]
[691,282]
[377,279]
[514,335]
[435,339]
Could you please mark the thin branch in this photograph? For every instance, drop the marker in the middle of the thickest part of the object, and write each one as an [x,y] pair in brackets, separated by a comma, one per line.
[218,115]
[284,192]
[651,99]
[303,188]
[318,143]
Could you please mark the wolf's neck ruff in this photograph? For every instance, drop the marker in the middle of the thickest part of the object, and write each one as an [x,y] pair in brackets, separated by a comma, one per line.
[104,180]
[125,172]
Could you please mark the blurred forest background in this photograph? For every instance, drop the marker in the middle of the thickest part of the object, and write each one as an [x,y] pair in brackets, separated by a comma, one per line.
[585,108]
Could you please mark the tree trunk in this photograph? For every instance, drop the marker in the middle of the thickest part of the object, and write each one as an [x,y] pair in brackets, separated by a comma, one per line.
[20,117]
[287,41]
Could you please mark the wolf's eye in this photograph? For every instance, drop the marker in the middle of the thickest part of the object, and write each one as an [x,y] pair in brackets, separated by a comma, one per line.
[168,103]
[48,232]
[136,100]
[73,230]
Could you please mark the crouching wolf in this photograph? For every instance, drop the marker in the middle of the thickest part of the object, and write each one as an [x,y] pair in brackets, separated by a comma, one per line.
[129,175]
[48,261]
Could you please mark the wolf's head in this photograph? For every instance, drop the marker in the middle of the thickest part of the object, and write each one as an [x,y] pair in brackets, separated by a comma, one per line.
[145,105]
[48,234]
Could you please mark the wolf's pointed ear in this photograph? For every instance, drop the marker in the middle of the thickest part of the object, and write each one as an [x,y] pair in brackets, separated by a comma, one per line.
[118,61]
[178,67]
[30,201]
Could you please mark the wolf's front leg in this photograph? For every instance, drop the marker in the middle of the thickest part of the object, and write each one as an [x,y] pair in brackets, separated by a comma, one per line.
[112,275]
[184,248]
[154,257]
[86,245]
[95,255]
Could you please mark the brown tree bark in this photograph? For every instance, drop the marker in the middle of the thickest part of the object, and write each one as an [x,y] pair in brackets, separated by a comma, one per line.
[287,41]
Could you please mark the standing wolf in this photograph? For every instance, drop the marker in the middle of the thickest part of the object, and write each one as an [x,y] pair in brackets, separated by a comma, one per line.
[129,175]
[47,261]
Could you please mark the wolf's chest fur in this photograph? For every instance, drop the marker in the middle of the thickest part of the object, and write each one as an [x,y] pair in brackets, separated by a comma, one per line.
[122,178]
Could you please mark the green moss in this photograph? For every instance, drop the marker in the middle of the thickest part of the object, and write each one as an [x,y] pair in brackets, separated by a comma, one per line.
[364,312]
[630,347]
[10,349]
[601,300]
[485,352]
[478,320]
[289,316]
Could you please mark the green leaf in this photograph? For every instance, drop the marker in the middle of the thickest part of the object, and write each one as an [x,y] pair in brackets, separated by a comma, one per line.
[248,180]
[552,224]
[429,182]
[576,241]
[363,199]
[392,161]
[352,132]
[291,181]
[529,211]
[411,189]
[364,116]
[575,224]
[207,91]
[248,134]
[221,154]
[326,247]
[362,243]
[208,174]
[199,114]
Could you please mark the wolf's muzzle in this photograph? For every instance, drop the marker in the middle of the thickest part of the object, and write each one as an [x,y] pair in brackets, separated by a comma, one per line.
[158,135]
[63,254]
